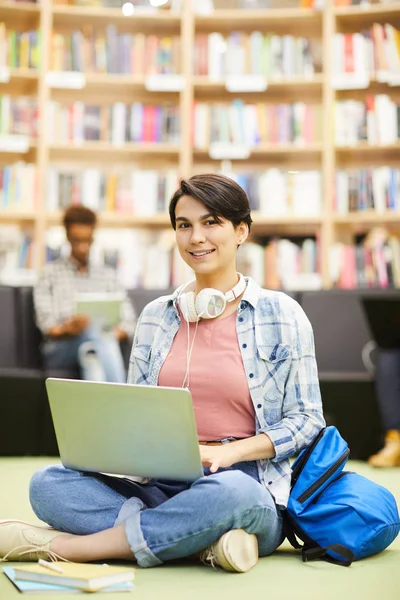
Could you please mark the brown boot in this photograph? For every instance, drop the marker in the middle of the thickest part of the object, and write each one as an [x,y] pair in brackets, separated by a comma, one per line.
[389,456]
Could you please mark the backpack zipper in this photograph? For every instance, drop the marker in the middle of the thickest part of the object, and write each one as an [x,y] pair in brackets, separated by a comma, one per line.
[307,453]
[321,480]
[342,474]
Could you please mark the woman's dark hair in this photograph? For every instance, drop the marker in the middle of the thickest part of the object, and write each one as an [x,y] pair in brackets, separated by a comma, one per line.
[221,195]
[79,215]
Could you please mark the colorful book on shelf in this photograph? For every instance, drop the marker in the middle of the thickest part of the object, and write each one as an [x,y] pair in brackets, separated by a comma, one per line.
[36,587]
[81,576]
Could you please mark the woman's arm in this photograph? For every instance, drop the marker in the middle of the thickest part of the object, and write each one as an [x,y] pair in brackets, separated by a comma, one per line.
[226,455]
[302,406]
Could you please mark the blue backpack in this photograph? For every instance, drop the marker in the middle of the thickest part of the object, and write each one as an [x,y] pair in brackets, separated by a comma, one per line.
[339,515]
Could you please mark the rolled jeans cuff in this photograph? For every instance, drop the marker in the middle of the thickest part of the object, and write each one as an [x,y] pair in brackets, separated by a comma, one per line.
[129,515]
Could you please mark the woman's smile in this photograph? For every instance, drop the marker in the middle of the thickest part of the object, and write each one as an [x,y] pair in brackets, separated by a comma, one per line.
[200,254]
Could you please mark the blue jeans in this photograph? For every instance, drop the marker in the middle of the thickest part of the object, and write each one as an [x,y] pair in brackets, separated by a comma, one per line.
[106,363]
[164,520]
[387,379]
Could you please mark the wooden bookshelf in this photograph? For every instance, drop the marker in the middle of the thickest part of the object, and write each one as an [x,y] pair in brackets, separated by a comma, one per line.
[74,16]
[106,88]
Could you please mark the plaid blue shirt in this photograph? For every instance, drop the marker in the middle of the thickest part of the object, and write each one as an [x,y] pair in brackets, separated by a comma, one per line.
[277,346]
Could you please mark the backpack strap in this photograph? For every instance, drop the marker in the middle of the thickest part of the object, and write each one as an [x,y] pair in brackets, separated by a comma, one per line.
[288,531]
[316,552]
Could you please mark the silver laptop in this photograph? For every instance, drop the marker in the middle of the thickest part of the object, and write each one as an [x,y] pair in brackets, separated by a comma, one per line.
[123,429]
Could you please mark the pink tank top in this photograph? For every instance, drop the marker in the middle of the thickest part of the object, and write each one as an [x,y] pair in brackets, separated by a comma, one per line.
[217,380]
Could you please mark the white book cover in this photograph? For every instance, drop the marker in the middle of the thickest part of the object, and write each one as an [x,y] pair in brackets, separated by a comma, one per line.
[273,193]
[118,121]
[288,49]
[360,54]
[306,194]
[338,54]
[145,193]
[91,180]
[256,50]
[386,115]
[52,189]
[216,55]
[342,192]
[288,254]
[201,125]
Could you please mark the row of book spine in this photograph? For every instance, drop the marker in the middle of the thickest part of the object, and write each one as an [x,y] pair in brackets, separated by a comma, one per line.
[18,186]
[110,51]
[271,192]
[17,249]
[251,124]
[147,192]
[158,264]
[19,115]
[19,49]
[117,123]
[374,121]
[368,52]
[367,189]
[138,193]
[282,263]
[365,266]
[272,56]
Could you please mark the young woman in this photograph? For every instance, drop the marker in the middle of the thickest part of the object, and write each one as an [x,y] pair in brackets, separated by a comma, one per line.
[247,355]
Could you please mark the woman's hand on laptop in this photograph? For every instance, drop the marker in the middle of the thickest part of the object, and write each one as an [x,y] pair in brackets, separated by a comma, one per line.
[218,456]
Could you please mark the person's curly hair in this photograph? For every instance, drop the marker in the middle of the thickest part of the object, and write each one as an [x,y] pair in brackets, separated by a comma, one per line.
[79,215]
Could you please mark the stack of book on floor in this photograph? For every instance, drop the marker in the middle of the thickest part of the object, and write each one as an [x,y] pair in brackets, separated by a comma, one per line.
[70,578]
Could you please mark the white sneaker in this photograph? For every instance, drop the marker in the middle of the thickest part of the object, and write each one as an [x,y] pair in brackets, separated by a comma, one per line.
[235,551]
[22,541]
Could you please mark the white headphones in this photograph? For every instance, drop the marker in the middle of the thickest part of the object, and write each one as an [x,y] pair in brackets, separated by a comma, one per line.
[209,303]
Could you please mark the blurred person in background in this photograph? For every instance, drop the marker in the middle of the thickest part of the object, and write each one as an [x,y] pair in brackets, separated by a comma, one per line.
[387,384]
[70,339]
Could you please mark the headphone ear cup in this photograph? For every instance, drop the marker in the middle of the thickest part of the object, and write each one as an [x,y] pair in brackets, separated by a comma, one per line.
[210,303]
[187,306]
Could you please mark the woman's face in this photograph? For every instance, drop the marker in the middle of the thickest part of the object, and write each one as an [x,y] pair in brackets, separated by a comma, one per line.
[205,245]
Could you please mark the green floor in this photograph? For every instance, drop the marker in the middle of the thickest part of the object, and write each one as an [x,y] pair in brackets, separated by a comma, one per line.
[282,576]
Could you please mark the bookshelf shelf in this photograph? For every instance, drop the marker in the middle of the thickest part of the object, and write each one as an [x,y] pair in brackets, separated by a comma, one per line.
[161,220]
[16,216]
[280,20]
[365,15]
[203,86]
[363,154]
[75,16]
[288,225]
[19,81]
[118,87]
[108,151]
[274,153]
[369,217]
[21,10]
[119,220]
